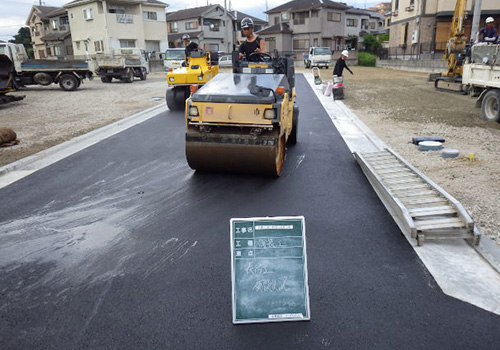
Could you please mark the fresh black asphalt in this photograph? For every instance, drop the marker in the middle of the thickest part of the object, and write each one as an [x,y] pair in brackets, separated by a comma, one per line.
[123,246]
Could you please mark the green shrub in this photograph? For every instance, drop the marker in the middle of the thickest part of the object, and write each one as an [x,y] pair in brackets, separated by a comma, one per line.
[366,59]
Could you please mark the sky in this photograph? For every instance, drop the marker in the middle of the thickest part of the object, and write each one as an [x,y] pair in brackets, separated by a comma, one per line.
[13,13]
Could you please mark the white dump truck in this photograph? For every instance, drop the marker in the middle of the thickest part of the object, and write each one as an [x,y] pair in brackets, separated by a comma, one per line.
[69,74]
[481,78]
[123,64]
[318,57]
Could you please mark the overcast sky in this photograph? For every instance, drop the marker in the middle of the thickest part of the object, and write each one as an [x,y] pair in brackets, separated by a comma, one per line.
[13,13]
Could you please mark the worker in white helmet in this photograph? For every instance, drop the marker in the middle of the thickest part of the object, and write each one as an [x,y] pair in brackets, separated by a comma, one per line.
[341,64]
[489,34]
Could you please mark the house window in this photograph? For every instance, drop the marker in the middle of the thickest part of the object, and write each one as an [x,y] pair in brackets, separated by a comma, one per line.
[152,46]
[333,17]
[373,25]
[150,16]
[86,46]
[172,27]
[127,43]
[63,20]
[41,53]
[88,14]
[77,45]
[396,4]
[314,13]
[300,17]
[351,22]
[276,20]
[57,51]
[211,47]
[213,24]
[285,16]
[54,24]
[192,25]
[71,15]
[300,44]
[99,46]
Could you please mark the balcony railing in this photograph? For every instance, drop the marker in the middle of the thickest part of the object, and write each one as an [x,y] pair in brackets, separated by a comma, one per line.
[124,18]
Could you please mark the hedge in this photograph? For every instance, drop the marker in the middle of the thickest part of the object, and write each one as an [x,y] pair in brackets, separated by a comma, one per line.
[366,59]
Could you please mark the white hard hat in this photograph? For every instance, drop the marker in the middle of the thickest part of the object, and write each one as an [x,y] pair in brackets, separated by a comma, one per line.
[345,53]
[489,20]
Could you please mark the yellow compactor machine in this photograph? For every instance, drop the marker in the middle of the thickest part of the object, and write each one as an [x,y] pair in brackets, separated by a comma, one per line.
[200,67]
[241,122]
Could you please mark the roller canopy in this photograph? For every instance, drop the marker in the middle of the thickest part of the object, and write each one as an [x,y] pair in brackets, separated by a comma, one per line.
[241,88]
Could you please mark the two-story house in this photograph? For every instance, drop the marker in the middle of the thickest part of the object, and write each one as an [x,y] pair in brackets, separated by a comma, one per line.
[360,22]
[211,27]
[311,22]
[50,32]
[100,26]
[423,26]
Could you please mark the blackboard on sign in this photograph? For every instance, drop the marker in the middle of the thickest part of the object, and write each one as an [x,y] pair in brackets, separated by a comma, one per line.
[269,269]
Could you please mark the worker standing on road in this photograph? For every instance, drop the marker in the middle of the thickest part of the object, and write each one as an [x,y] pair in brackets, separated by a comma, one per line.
[489,33]
[253,43]
[341,64]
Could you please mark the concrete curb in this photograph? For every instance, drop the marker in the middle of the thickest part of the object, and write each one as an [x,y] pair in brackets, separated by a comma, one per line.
[15,171]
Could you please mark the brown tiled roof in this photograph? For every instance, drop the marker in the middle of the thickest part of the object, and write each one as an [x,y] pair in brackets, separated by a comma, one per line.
[304,5]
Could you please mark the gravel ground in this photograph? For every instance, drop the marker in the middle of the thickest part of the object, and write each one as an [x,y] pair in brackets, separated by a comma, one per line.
[399,105]
[396,105]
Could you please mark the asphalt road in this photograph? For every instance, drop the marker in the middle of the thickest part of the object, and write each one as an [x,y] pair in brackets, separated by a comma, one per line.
[123,246]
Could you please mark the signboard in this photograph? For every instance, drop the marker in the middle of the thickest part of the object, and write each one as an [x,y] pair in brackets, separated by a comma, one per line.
[269,270]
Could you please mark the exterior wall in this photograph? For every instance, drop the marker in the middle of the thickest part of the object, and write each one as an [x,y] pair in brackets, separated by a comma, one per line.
[283,41]
[110,28]
[38,29]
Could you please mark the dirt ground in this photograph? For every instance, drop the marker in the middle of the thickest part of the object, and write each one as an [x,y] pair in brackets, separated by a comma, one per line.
[396,105]
[399,105]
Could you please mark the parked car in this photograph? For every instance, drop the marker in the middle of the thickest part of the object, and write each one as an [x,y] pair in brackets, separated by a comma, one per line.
[225,61]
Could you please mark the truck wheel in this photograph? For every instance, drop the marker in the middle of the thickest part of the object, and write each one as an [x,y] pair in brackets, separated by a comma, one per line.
[68,82]
[106,79]
[490,106]
[130,76]
[308,64]
[143,74]
[292,138]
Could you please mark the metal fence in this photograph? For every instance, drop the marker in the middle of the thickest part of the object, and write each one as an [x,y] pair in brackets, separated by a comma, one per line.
[429,50]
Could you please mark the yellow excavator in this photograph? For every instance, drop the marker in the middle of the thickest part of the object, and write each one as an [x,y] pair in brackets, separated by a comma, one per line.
[200,67]
[242,121]
[455,52]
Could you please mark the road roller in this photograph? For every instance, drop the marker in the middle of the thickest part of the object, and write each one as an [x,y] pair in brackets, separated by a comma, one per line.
[242,121]
[200,67]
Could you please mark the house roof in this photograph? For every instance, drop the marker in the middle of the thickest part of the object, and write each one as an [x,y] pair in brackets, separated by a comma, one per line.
[55,36]
[357,11]
[280,28]
[238,15]
[193,12]
[152,2]
[178,36]
[60,11]
[43,11]
[304,5]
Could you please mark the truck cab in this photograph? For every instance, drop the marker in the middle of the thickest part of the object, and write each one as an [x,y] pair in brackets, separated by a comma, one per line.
[173,58]
[318,57]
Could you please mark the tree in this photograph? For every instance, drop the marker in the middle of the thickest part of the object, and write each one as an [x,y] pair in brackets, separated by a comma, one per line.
[371,43]
[23,36]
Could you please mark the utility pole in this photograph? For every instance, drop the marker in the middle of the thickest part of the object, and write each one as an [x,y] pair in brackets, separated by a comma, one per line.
[475,20]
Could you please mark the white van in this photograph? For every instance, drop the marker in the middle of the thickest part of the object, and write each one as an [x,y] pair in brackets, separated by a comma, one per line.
[173,58]
[318,57]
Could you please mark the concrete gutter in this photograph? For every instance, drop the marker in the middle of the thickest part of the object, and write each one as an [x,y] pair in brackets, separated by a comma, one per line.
[464,271]
[15,171]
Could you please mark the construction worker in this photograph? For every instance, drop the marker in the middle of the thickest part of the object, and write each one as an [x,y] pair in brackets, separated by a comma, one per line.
[341,64]
[253,43]
[489,33]
[190,45]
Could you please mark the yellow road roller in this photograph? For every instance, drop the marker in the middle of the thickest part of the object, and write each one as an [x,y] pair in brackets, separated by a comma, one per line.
[200,67]
[241,122]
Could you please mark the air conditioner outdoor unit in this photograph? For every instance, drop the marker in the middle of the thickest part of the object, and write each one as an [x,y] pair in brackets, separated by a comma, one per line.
[395,13]
[414,37]
[410,8]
